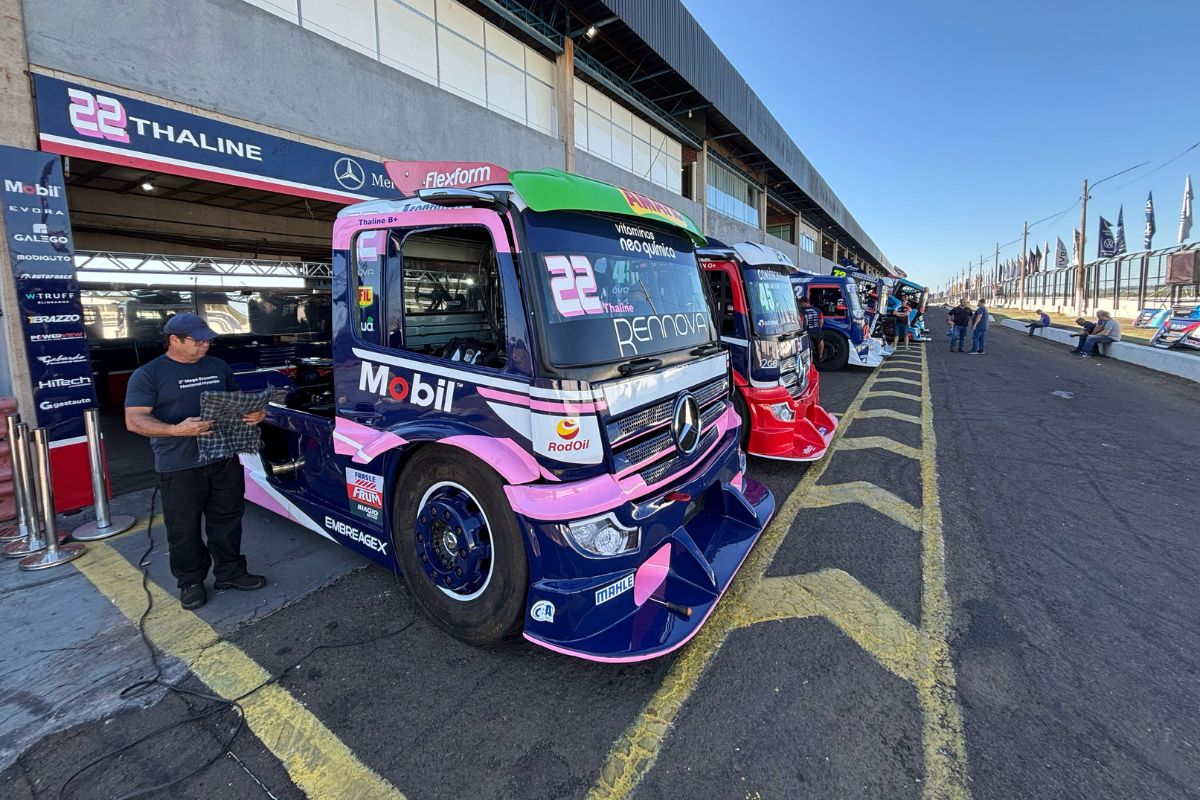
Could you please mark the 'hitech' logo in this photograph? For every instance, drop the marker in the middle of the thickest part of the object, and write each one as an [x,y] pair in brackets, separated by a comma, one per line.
[376,378]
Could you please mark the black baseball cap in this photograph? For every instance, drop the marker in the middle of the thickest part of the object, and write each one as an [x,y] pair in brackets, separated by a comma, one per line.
[189,325]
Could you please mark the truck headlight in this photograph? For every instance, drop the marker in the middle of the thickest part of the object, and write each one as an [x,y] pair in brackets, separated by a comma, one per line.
[782,412]
[602,536]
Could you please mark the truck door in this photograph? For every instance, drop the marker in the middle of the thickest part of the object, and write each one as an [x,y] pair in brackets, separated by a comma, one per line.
[730,314]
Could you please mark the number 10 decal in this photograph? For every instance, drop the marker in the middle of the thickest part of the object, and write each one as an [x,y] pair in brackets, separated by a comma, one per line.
[574,285]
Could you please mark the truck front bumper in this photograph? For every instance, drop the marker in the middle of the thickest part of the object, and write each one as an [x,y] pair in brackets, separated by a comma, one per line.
[805,438]
[647,603]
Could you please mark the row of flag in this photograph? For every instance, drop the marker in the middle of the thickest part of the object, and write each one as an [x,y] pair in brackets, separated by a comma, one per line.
[1110,243]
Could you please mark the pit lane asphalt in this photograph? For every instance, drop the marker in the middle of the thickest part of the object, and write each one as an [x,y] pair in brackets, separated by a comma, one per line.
[1071,569]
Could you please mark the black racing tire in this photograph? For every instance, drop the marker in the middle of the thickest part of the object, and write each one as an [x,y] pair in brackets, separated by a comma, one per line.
[496,610]
[743,412]
[837,352]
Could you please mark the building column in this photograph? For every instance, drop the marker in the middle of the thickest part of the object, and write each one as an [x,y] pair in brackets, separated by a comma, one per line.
[17,129]
[564,79]
[762,205]
[700,184]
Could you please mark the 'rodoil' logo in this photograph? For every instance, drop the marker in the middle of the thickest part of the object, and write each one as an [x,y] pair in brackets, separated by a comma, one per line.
[421,392]
[568,431]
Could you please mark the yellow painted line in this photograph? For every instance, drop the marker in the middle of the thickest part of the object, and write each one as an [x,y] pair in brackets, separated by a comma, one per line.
[907,381]
[319,763]
[881,443]
[906,370]
[887,413]
[867,494]
[916,398]
[635,752]
[942,736]
[860,613]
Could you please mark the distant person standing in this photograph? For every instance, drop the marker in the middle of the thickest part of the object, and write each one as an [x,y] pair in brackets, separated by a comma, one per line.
[1043,321]
[163,402]
[1107,330]
[901,315]
[959,318]
[814,322]
[980,320]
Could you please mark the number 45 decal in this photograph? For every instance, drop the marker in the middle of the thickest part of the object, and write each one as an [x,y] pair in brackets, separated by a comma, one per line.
[574,285]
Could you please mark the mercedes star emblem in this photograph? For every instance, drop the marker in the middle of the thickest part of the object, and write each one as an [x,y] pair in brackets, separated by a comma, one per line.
[685,424]
[349,173]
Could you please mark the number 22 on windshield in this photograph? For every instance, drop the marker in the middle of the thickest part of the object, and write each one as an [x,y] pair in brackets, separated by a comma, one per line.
[574,285]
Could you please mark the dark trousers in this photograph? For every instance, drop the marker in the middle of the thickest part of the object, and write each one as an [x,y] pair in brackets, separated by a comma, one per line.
[215,491]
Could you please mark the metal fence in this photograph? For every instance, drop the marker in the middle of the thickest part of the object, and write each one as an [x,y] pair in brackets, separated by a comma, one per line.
[1123,284]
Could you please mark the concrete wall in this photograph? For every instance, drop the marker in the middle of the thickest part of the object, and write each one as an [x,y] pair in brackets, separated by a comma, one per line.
[1172,362]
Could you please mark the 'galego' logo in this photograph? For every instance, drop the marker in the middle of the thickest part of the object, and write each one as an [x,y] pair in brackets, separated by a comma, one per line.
[420,392]
[567,429]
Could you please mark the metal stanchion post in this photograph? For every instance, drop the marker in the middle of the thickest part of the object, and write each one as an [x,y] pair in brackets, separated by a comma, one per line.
[55,553]
[18,529]
[33,540]
[103,526]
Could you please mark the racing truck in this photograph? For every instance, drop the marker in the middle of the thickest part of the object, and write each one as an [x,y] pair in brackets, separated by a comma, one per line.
[1152,317]
[873,294]
[847,337]
[776,387]
[914,296]
[527,414]
[1181,330]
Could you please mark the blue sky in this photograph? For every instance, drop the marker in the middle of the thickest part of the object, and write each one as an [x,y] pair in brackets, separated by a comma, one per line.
[944,126]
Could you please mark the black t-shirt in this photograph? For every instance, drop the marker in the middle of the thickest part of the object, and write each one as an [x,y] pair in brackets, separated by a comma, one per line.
[172,390]
[960,315]
[812,319]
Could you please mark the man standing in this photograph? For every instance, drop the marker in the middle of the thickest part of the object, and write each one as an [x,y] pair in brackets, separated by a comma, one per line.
[979,337]
[1107,330]
[163,402]
[814,322]
[960,318]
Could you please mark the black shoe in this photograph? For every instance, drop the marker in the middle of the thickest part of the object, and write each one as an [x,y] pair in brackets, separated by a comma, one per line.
[193,596]
[243,583]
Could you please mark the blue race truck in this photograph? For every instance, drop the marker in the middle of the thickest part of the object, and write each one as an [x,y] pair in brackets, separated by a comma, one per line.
[526,413]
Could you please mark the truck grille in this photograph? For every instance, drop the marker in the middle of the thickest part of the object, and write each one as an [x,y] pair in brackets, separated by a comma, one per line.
[668,466]
[793,374]
[631,449]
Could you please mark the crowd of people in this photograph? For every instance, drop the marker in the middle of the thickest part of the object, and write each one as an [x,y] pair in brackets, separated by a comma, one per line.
[961,318]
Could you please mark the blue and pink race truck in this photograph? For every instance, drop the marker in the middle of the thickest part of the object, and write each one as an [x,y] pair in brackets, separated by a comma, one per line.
[526,411]
[776,387]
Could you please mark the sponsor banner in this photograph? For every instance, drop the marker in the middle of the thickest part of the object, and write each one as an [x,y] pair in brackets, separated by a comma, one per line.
[364,491]
[80,120]
[33,200]
[409,176]
[574,440]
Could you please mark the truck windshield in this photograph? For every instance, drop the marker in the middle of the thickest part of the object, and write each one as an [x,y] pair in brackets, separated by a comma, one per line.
[772,302]
[614,290]
[856,310]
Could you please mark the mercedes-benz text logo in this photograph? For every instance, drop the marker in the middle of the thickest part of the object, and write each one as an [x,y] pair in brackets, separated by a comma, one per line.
[685,424]
[349,173]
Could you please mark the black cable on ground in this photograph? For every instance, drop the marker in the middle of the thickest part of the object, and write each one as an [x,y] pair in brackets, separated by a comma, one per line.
[220,704]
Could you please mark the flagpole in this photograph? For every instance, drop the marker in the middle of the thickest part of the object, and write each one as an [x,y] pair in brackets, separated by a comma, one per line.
[1079,257]
[1024,266]
[996,272]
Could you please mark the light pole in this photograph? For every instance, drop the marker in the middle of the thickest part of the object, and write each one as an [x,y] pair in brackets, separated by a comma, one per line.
[1080,260]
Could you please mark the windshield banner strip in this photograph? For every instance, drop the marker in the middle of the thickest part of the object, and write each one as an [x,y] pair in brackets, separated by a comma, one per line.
[630,393]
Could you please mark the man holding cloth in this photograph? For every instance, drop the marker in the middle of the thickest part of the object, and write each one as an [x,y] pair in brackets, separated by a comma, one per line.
[960,318]
[163,403]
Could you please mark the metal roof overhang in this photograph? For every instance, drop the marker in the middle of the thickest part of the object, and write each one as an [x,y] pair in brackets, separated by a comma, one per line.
[657,49]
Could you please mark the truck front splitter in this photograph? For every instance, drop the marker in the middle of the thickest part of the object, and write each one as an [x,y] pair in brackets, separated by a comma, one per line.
[805,438]
[646,604]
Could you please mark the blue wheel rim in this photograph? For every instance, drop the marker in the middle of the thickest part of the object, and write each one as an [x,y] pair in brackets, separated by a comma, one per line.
[453,541]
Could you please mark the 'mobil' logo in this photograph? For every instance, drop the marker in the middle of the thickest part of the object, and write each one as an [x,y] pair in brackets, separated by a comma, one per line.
[567,429]
[645,205]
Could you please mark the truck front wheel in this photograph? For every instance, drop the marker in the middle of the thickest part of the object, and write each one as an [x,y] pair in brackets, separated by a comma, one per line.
[837,352]
[459,546]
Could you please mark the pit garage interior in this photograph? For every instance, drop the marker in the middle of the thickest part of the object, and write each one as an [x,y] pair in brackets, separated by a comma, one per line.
[253,263]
